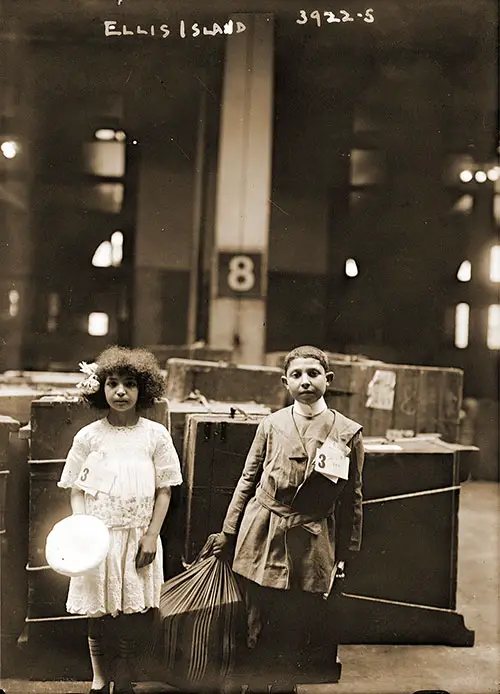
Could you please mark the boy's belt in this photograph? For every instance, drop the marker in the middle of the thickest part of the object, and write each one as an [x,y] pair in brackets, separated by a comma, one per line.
[288,517]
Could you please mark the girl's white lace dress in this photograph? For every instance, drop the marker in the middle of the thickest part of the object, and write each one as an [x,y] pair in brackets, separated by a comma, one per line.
[144,459]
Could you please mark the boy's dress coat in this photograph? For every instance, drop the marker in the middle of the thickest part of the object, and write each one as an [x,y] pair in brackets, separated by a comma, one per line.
[280,490]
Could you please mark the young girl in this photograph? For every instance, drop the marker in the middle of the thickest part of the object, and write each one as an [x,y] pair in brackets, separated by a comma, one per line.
[295,514]
[120,469]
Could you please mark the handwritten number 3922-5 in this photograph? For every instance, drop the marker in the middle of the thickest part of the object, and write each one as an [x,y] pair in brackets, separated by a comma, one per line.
[331,17]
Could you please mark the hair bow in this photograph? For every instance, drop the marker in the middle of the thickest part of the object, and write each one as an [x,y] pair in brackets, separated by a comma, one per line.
[91,384]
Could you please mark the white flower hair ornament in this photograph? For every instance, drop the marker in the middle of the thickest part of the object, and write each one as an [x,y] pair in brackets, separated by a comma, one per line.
[91,384]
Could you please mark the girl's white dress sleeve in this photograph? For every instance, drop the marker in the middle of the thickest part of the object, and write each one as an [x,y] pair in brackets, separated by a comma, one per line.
[166,461]
[75,459]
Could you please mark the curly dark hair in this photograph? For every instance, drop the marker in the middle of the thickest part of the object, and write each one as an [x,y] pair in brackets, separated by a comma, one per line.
[138,363]
[305,352]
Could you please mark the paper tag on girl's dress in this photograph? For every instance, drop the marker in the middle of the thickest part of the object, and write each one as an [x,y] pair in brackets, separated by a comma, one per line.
[95,475]
[331,461]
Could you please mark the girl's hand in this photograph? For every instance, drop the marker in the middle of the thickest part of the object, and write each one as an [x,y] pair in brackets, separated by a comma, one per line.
[147,550]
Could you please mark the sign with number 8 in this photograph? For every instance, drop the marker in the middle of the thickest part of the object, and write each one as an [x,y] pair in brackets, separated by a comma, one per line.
[240,275]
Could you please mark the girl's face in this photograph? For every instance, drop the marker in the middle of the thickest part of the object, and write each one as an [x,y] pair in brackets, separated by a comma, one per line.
[306,380]
[121,392]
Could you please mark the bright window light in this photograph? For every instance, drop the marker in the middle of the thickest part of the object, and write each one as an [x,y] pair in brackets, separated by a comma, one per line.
[367,167]
[465,176]
[493,334]
[494,174]
[116,248]
[480,176]
[9,149]
[496,209]
[351,268]
[464,204]
[495,263]
[120,136]
[13,303]
[464,273]
[103,256]
[462,312]
[98,324]
[104,134]
[105,158]
[53,309]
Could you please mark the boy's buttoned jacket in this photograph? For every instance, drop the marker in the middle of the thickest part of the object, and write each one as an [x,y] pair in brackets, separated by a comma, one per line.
[279,490]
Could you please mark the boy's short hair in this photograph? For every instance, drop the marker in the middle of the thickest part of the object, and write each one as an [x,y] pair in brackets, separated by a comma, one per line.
[306,352]
[138,363]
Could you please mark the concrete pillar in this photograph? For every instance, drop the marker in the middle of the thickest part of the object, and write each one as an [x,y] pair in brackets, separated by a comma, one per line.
[237,315]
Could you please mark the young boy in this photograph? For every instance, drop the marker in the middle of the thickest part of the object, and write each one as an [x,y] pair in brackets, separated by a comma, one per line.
[295,513]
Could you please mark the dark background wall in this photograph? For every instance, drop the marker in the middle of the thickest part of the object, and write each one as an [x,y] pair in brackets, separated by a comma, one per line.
[366,119]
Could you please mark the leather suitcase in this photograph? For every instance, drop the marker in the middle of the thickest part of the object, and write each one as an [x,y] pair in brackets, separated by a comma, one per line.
[215,451]
[225,382]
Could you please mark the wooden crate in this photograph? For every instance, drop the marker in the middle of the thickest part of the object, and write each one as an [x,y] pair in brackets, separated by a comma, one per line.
[215,452]
[402,586]
[420,399]
[165,352]
[173,532]
[13,535]
[424,399]
[225,382]
[56,419]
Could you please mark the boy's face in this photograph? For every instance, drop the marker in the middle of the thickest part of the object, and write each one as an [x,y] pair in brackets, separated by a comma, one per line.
[306,380]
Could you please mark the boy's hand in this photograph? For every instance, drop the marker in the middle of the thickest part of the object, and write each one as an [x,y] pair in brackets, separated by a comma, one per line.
[223,545]
[147,551]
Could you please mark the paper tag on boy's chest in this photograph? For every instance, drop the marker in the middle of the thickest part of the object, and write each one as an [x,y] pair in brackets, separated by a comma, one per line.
[332,461]
[96,475]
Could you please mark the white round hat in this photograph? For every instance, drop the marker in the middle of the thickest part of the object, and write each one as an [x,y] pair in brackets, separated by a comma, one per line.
[77,544]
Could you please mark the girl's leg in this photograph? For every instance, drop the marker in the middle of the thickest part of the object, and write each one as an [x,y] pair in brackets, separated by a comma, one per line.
[98,658]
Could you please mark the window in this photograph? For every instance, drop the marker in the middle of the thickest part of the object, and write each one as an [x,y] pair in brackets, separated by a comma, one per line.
[367,167]
[495,263]
[493,334]
[98,324]
[464,273]
[462,312]
[351,268]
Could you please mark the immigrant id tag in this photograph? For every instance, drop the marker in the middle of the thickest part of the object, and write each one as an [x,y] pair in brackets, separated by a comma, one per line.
[332,461]
[95,475]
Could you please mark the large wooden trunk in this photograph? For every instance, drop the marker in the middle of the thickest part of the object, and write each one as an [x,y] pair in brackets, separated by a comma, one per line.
[402,586]
[173,532]
[165,352]
[56,419]
[13,538]
[224,382]
[215,450]
[383,396]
